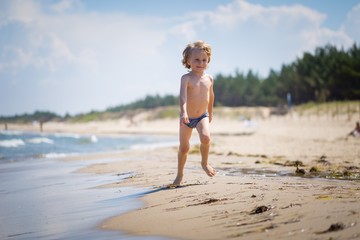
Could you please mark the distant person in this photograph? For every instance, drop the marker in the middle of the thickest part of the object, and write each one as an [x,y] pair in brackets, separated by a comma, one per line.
[196,105]
[356,131]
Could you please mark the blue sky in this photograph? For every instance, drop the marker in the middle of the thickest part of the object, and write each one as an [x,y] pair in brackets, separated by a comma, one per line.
[74,56]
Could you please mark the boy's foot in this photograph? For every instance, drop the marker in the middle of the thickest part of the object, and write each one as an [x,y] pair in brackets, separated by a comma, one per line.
[210,171]
[177,180]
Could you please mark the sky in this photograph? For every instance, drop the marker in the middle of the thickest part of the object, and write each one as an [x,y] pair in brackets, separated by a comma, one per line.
[76,56]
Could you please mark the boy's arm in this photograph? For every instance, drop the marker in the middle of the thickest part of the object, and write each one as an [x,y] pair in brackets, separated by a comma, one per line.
[211,100]
[183,99]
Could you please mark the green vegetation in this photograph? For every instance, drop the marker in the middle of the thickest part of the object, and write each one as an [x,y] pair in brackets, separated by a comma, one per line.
[328,75]
[147,103]
[169,112]
[332,109]
[39,116]
[87,117]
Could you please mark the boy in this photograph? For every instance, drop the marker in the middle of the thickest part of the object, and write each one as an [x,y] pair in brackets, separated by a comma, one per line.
[196,105]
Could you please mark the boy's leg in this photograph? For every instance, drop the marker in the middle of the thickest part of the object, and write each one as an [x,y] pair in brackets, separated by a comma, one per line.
[184,138]
[203,129]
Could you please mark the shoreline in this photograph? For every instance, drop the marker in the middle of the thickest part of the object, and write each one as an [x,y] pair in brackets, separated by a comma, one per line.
[242,206]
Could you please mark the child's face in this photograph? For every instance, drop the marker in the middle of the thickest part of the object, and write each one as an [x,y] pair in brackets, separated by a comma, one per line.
[198,60]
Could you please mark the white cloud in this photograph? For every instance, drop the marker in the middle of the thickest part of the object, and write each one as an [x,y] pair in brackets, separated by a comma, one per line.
[65,5]
[322,37]
[23,11]
[352,24]
[186,30]
[241,12]
[85,39]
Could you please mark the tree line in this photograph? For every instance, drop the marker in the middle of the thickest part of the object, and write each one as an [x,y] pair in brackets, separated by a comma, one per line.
[40,116]
[146,103]
[328,74]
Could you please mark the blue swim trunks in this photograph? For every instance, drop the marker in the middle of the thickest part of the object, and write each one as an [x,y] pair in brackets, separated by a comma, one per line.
[194,121]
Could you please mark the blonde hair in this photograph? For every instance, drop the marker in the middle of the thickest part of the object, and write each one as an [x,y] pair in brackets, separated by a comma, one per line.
[195,45]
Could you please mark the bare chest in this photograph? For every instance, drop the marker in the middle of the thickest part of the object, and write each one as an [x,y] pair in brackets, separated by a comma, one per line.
[199,86]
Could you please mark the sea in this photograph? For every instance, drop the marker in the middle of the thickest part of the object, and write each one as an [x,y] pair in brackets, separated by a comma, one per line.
[23,146]
[44,197]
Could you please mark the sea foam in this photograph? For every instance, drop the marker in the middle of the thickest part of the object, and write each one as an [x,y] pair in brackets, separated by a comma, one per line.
[10,132]
[40,140]
[12,143]
[55,155]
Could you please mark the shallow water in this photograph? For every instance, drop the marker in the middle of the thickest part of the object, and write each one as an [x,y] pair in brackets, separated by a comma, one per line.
[45,199]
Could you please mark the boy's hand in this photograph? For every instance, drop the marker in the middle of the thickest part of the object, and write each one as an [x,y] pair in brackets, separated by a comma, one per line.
[185,118]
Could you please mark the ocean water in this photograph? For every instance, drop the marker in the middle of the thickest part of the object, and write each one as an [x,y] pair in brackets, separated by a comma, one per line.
[43,197]
[22,146]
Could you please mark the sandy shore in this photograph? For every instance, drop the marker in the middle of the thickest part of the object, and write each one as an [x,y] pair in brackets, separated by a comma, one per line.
[256,194]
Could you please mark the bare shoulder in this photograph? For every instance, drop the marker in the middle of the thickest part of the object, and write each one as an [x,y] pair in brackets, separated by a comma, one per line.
[185,77]
[210,78]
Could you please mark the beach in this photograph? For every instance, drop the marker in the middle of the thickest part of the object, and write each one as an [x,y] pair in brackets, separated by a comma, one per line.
[278,177]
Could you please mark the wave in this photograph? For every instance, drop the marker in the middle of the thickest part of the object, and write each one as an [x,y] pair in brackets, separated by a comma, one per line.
[55,155]
[10,132]
[93,139]
[40,140]
[152,146]
[67,135]
[12,143]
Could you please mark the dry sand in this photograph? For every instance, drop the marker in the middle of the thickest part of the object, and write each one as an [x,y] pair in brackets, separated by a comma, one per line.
[256,194]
